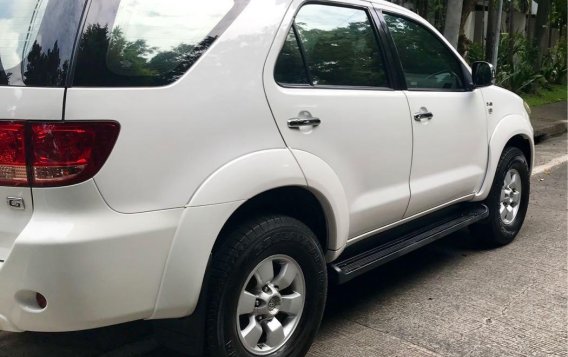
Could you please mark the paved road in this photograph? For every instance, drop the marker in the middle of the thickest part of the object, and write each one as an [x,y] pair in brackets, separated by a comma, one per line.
[448,299]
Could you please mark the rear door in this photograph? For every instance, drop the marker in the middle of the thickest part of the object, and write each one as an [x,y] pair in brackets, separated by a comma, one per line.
[328,65]
[36,45]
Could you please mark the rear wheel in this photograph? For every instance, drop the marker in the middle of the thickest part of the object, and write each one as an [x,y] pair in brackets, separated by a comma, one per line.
[507,201]
[267,290]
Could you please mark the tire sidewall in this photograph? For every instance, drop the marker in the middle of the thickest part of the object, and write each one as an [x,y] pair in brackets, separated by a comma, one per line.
[297,242]
[512,158]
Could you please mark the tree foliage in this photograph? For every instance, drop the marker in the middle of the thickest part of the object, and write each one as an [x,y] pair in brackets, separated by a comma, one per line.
[45,67]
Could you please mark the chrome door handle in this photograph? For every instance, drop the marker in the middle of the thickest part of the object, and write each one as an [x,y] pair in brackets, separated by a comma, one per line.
[423,115]
[298,122]
[305,119]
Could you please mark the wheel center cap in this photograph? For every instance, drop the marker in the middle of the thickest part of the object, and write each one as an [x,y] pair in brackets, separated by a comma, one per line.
[274,304]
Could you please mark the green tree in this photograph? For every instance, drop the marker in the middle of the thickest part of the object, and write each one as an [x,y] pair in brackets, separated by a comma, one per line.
[129,57]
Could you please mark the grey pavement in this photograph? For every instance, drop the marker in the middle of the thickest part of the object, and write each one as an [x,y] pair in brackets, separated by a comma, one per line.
[454,299]
[550,149]
[448,299]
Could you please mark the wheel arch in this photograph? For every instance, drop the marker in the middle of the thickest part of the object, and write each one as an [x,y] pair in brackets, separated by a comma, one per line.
[268,181]
[294,201]
[523,143]
[512,130]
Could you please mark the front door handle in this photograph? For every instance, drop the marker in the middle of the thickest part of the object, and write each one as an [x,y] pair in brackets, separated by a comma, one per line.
[304,119]
[423,115]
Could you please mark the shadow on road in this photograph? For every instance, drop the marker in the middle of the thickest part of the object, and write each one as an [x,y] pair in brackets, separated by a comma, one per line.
[405,271]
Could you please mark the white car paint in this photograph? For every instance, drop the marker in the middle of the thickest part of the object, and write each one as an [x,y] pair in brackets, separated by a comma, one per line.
[134,242]
[95,266]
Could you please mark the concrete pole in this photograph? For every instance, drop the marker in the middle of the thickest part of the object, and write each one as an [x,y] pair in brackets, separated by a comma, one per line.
[497,29]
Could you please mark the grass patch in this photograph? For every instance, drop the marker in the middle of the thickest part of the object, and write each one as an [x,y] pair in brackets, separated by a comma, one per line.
[557,93]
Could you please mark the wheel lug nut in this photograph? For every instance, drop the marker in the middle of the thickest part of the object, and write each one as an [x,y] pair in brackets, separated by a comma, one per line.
[266,289]
[257,303]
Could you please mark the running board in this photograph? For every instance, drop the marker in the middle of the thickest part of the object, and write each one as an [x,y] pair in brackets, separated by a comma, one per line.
[350,267]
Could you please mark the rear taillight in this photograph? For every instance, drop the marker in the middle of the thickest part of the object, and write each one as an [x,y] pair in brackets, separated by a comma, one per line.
[49,154]
[13,169]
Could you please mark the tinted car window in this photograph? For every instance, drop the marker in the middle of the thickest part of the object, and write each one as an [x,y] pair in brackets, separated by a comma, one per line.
[36,41]
[427,62]
[148,43]
[340,46]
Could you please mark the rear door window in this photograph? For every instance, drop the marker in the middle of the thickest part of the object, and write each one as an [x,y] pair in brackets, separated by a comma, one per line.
[36,41]
[131,43]
[339,46]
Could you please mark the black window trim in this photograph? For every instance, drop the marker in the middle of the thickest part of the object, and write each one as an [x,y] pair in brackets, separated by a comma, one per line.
[369,10]
[75,55]
[302,50]
[392,61]
[466,75]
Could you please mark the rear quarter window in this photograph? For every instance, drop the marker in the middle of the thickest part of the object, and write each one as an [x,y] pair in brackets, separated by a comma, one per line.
[133,43]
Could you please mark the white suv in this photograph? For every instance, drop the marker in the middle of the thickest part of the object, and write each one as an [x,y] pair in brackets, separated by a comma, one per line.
[211,164]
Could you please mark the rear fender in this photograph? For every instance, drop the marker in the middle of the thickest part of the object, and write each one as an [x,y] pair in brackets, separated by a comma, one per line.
[220,196]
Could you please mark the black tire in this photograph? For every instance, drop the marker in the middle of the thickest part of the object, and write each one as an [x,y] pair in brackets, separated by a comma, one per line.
[494,231]
[232,265]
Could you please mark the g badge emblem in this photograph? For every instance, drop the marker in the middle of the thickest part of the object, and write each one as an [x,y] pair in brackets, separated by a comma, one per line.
[16,203]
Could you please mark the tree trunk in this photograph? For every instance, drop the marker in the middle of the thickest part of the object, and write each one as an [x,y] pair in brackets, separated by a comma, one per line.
[463,41]
[490,36]
[493,31]
[540,29]
[453,21]
[467,9]
[511,32]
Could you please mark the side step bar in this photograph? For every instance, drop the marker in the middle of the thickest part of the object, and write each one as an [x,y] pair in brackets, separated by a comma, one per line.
[350,267]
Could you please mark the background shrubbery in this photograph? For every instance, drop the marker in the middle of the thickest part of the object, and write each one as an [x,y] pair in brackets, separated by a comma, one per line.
[518,64]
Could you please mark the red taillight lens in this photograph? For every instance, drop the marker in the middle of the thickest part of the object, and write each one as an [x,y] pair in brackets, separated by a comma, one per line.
[56,153]
[13,169]
[69,152]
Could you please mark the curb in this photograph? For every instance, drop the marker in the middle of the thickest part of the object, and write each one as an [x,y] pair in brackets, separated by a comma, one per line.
[542,133]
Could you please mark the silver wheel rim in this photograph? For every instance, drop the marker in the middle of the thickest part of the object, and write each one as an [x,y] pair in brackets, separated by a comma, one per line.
[271,304]
[510,199]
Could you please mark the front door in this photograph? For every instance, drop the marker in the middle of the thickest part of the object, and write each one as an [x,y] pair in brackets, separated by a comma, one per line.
[331,95]
[448,119]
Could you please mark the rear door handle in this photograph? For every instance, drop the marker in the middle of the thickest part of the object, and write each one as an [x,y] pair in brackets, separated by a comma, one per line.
[304,119]
[423,115]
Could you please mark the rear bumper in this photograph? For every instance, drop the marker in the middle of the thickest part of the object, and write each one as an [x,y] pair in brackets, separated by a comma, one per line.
[96,267]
